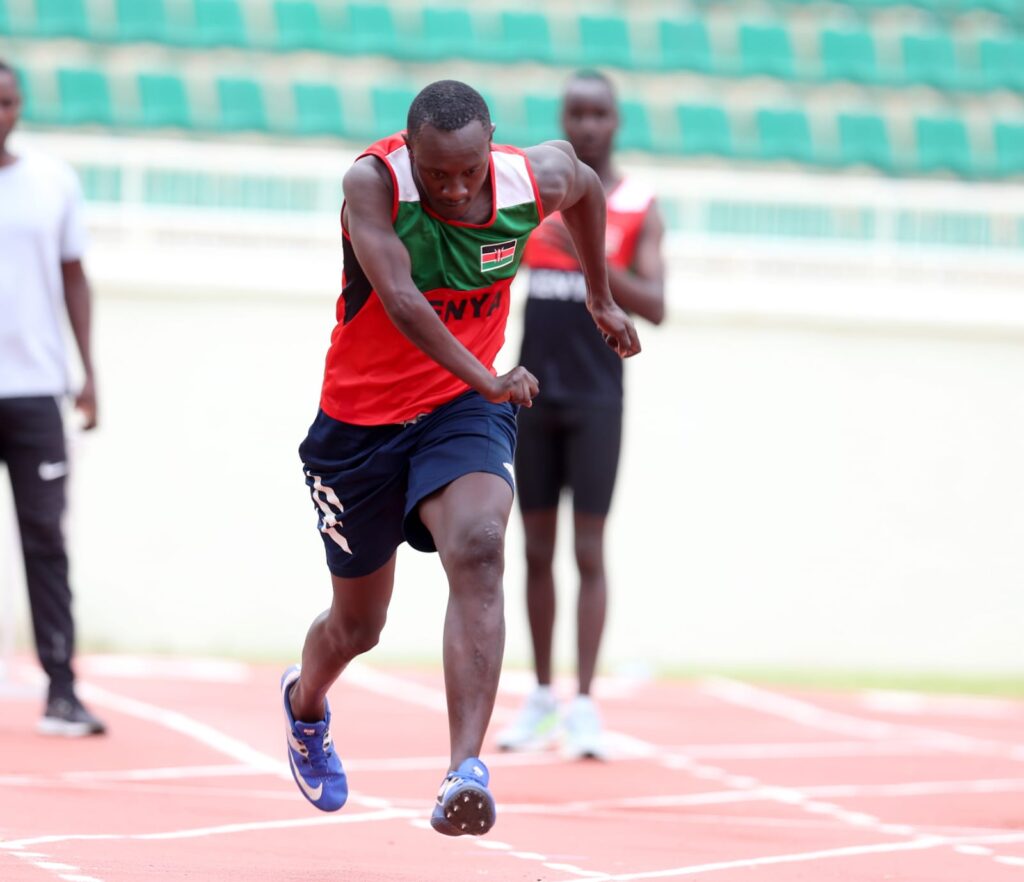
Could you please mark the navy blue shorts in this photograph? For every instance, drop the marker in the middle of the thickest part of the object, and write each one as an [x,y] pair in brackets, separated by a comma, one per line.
[367,481]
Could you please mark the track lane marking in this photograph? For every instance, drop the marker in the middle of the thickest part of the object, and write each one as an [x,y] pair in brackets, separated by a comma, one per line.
[920,844]
[812,716]
[219,830]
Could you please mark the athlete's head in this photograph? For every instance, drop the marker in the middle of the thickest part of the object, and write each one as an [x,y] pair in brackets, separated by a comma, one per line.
[10,102]
[449,136]
[590,116]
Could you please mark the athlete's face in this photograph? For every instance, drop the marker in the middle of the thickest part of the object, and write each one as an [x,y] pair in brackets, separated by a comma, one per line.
[451,167]
[10,105]
[590,119]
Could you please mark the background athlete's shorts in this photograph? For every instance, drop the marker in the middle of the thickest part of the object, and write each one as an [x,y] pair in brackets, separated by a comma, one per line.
[368,481]
[567,445]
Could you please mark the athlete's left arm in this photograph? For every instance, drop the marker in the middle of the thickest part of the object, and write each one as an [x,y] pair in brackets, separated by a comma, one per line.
[641,288]
[569,186]
[78,298]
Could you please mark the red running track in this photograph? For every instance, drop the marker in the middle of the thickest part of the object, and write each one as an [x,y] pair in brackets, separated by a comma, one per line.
[714,780]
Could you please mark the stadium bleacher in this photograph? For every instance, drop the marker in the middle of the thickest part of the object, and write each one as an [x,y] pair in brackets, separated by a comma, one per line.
[901,87]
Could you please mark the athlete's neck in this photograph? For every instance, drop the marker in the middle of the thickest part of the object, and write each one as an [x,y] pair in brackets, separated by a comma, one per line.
[6,158]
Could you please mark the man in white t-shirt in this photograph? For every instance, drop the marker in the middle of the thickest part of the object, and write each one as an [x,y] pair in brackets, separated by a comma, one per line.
[42,239]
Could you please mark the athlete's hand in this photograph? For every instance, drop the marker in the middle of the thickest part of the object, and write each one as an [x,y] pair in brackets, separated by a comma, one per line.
[85,403]
[617,329]
[518,386]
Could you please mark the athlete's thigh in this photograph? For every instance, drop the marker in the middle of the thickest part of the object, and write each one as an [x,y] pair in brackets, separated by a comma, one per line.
[468,437]
[594,445]
[460,509]
[356,477]
[541,468]
[35,452]
[365,599]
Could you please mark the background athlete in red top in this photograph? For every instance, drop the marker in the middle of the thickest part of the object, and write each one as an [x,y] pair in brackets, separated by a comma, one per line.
[449,141]
[571,437]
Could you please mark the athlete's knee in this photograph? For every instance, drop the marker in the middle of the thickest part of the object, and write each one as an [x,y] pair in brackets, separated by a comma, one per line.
[540,553]
[589,557]
[354,635]
[478,547]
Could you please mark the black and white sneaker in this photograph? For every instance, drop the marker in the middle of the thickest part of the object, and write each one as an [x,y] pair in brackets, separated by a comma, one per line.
[68,717]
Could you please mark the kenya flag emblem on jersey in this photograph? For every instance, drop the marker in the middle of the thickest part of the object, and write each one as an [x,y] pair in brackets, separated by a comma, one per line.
[494,257]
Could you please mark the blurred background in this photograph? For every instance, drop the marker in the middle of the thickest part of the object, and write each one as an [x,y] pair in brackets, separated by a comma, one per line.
[822,465]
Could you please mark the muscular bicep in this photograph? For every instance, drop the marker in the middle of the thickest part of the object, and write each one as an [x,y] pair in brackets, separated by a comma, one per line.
[367,218]
[555,168]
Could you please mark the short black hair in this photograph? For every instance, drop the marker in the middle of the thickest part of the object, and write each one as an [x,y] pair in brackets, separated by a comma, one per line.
[593,75]
[447,105]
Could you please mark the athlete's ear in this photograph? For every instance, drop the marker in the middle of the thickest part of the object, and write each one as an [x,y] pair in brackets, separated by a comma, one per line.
[493,127]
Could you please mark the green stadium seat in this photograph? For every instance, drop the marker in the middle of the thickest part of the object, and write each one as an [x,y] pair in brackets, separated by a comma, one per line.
[930,60]
[371,29]
[684,45]
[241,104]
[765,49]
[543,114]
[704,129]
[219,23]
[163,101]
[5,19]
[30,112]
[634,127]
[84,95]
[848,55]
[864,140]
[390,109]
[61,18]
[317,109]
[139,20]
[784,134]
[297,25]
[942,143]
[447,33]
[1001,63]
[1009,144]
[525,36]
[604,40]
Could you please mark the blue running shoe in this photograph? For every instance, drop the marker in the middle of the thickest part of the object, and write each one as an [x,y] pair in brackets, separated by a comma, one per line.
[465,806]
[316,766]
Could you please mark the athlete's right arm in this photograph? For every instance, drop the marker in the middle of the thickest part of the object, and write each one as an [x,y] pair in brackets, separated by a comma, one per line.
[385,260]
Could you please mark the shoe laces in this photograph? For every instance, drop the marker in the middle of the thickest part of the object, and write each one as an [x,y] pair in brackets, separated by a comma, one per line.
[316,754]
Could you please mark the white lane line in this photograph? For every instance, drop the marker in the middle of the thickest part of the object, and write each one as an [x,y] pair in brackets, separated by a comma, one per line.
[576,871]
[897,701]
[802,750]
[920,844]
[800,857]
[812,716]
[207,735]
[1009,861]
[201,832]
[973,850]
[54,865]
[177,773]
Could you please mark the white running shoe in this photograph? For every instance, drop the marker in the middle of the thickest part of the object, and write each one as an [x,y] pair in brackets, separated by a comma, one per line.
[536,725]
[584,737]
